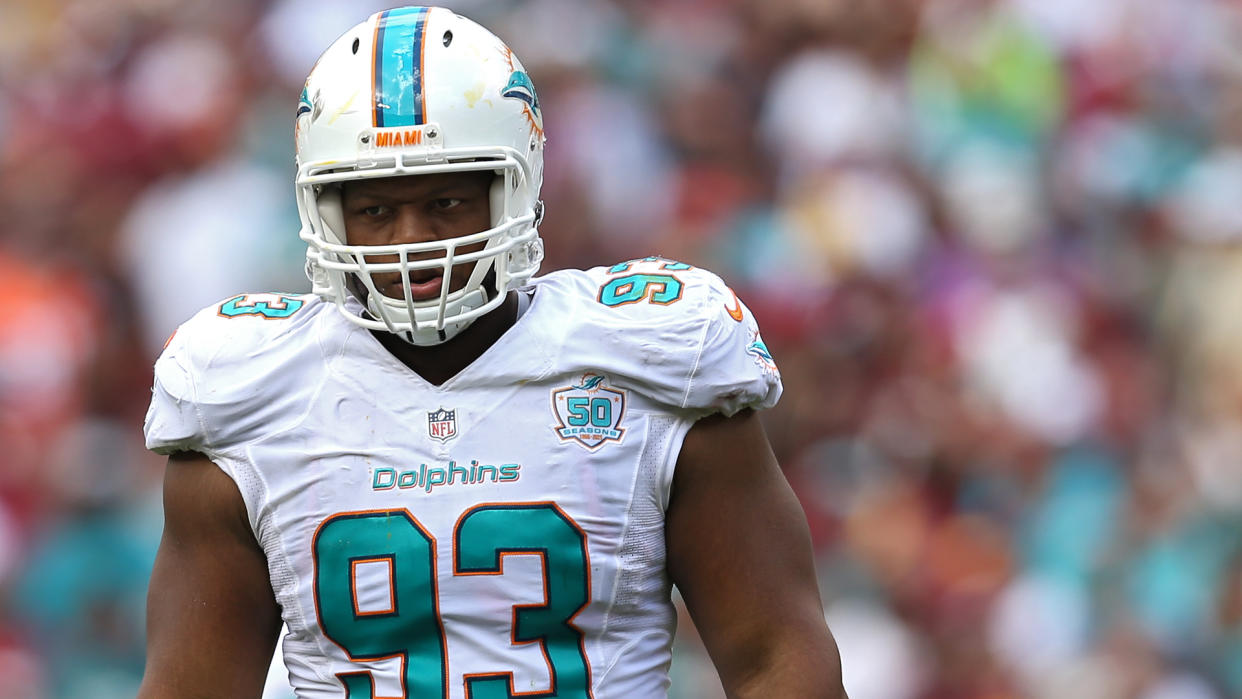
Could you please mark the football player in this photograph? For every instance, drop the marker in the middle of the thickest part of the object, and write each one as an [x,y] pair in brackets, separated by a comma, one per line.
[446,476]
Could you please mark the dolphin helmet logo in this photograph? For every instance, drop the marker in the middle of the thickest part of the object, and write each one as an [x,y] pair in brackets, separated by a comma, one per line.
[304,102]
[521,87]
[305,109]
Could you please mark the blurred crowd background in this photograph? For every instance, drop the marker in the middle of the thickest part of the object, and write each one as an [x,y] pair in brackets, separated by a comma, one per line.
[995,246]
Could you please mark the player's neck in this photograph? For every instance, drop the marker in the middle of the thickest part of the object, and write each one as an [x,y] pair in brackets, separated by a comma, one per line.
[439,363]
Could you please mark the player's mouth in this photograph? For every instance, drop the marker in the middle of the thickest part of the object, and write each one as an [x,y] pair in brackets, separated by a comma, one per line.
[426,288]
[425,285]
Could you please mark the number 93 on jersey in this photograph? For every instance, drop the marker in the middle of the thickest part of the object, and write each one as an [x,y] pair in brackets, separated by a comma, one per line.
[378,597]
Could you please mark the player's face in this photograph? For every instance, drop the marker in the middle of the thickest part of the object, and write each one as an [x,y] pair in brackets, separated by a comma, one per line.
[417,209]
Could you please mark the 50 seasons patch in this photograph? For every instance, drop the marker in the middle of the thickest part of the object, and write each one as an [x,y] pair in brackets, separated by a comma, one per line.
[589,412]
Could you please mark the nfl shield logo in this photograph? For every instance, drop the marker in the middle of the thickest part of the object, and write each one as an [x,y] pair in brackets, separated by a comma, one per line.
[442,424]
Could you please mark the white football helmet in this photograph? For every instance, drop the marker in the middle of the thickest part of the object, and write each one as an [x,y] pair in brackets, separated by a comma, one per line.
[412,91]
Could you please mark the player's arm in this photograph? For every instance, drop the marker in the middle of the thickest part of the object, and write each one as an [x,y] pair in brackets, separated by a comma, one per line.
[212,620]
[739,550]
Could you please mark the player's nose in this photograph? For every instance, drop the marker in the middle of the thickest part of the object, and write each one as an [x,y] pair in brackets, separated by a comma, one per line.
[411,225]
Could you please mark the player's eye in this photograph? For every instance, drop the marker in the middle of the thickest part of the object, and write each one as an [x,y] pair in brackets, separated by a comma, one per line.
[446,203]
[374,211]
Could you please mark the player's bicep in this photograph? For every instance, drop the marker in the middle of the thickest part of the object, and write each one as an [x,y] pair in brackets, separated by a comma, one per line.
[212,620]
[739,551]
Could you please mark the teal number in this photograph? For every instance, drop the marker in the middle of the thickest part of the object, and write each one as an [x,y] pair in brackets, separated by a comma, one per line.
[666,264]
[358,685]
[278,307]
[483,537]
[579,412]
[411,630]
[594,411]
[661,289]
[601,412]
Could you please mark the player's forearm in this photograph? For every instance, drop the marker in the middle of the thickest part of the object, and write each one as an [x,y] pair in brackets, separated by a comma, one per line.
[241,676]
[799,683]
[805,665]
[161,689]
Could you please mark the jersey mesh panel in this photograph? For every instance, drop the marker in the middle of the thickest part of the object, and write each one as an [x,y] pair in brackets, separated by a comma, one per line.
[282,575]
[640,578]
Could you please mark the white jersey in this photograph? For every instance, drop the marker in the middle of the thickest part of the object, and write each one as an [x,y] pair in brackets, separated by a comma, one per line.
[499,535]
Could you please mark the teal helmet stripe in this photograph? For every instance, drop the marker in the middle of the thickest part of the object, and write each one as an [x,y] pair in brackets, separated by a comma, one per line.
[398,67]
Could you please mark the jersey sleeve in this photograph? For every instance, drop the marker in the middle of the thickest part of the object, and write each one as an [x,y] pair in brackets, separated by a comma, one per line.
[230,375]
[676,333]
[174,422]
[734,369]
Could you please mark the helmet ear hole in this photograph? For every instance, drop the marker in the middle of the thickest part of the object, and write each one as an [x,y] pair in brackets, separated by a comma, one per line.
[448,38]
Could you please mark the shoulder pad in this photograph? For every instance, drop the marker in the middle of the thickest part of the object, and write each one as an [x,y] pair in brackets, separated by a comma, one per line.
[224,369]
[677,333]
